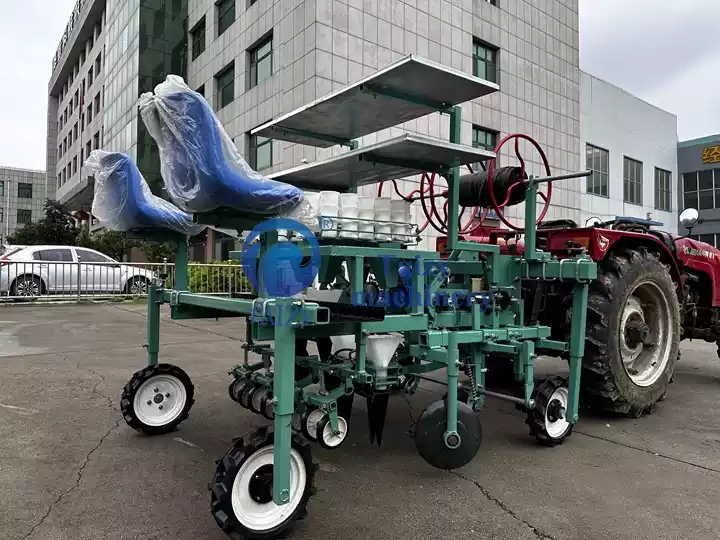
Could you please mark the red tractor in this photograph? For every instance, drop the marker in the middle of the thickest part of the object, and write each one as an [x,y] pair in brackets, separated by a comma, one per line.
[653,288]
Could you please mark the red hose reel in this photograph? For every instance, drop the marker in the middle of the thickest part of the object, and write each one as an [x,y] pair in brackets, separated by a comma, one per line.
[429,192]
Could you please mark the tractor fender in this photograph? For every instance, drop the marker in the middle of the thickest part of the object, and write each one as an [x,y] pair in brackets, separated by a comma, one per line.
[609,241]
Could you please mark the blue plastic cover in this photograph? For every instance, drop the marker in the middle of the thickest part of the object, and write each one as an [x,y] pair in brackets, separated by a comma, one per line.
[201,166]
[123,200]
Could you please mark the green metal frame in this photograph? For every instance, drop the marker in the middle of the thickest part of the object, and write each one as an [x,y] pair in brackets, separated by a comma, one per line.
[434,336]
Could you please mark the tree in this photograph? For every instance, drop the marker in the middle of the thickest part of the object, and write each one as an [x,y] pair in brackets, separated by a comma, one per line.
[55,228]
[157,252]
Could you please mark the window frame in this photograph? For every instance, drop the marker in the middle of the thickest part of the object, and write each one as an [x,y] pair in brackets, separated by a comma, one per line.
[696,191]
[627,181]
[197,50]
[222,16]
[590,184]
[2,188]
[255,146]
[17,216]
[667,192]
[487,47]
[230,68]
[103,259]
[254,60]
[24,186]
[37,254]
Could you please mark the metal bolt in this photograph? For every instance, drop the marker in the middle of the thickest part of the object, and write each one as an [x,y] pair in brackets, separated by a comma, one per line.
[156,390]
[149,402]
[284,495]
[160,407]
[167,394]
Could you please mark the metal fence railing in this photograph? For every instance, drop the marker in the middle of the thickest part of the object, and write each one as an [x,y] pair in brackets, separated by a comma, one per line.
[67,280]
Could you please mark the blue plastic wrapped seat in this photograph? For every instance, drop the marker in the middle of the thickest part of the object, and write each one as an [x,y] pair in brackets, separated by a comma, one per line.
[123,200]
[201,166]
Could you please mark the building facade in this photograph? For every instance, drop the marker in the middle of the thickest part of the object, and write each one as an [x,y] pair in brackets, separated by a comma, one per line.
[699,187]
[255,60]
[111,52]
[22,198]
[631,147]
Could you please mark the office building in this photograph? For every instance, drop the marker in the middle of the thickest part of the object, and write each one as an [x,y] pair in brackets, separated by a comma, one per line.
[110,53]
[699,187]
[22,198]
[631,147]
[255,60]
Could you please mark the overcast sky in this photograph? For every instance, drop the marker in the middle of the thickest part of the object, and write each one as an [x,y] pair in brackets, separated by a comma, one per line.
[666,55]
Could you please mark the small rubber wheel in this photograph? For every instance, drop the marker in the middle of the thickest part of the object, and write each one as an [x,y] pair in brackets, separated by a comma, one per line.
[325,435]
[241,488]
[268,406]
[236,388]
[547,420]
[256,399]
[157,398]
[310,423]
[246,396]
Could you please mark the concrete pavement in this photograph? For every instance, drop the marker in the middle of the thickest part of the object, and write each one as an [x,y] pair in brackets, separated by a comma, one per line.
[70,468]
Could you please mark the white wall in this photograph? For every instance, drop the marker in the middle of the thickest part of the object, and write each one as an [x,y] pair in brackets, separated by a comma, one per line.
[613,119]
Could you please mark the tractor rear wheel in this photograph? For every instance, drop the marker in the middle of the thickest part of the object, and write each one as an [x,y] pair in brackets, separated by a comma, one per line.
[633,334]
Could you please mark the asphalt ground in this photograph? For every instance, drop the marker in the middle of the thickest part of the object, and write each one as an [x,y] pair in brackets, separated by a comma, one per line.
[70,468]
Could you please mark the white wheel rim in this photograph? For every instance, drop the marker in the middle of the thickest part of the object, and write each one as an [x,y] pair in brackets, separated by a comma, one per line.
[556,429]
[313,419]
[262,517]
[332,440]
[167,397]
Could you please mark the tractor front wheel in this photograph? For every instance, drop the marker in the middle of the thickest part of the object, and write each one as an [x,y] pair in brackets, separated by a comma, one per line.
[633,334]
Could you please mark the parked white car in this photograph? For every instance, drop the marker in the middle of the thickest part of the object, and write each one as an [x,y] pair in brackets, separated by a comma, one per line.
[41,270]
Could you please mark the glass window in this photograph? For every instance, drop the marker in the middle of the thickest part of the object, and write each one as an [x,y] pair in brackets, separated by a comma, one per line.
[484,61]
[57,255]
[261,61]
[225,84]
[24,216]
[260,152]
[25,191]
[226,15]
[2,188]
[86,255]
[198,39]
[698,189]
[707,238]
[662,190]
[596,160]
[485,139]
[632,181]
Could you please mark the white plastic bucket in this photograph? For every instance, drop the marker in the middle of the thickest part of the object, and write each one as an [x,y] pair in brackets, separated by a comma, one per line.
[314,199]
[366,228]
[366,203]
[330,198]
[328,220]
[348,223]
[330,210]
[349,200]
[383,203]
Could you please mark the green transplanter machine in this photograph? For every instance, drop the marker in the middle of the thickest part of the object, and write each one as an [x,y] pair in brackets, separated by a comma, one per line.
[383,313]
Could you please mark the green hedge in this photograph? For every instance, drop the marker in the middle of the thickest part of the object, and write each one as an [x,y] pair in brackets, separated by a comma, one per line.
[216,279]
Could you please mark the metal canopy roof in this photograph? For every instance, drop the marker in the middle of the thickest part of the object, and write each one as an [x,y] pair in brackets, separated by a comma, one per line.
[406,90]
[402,156]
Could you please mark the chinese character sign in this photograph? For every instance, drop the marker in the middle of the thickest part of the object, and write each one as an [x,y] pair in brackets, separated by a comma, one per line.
[711,154]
